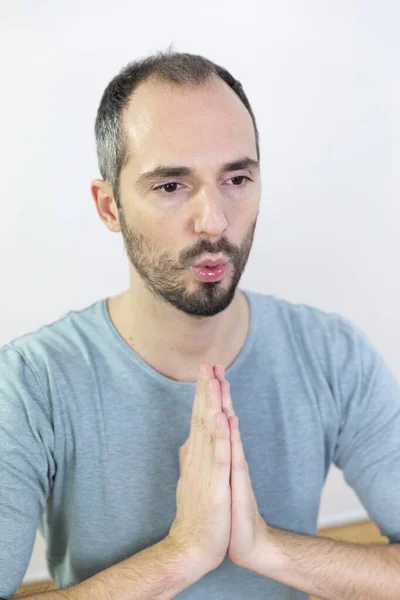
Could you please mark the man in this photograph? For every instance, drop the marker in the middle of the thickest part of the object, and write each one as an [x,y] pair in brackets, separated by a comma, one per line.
[110,434]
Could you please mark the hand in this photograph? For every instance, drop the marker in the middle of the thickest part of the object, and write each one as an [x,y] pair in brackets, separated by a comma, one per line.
[201,528]
[248,528]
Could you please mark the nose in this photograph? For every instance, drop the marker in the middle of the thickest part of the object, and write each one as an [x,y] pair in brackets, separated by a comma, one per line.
[209,214]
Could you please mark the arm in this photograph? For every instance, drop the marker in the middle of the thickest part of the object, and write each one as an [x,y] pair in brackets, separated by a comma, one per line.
[160,571]
[328,568]
[198,538]
[321,566]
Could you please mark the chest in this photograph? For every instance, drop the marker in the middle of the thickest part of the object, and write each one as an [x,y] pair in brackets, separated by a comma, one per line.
[118,487]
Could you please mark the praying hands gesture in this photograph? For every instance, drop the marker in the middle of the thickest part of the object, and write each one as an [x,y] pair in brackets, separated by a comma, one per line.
[217,511]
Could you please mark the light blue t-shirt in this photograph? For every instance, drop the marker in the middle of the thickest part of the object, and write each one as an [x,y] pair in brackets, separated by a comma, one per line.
[90,435]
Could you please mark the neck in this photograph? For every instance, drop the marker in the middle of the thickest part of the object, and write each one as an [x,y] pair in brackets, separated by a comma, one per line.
[174,343]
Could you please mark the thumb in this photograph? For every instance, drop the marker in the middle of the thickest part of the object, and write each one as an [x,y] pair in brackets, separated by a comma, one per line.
[183,450]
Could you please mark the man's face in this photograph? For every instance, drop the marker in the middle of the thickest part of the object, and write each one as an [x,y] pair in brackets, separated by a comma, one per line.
[189,217]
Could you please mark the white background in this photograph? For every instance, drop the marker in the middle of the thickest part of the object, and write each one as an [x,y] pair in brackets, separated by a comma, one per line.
[323,79]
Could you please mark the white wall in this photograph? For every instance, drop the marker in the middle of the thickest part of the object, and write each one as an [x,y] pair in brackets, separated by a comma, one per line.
[323,80]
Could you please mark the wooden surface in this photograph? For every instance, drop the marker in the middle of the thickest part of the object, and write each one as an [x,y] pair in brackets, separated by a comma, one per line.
[365,532]
[34,588]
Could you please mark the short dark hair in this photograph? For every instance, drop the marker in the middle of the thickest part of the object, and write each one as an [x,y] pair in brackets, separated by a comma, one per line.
[179,68]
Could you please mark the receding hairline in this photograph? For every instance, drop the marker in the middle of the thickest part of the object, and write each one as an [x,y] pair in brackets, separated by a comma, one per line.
[211,81]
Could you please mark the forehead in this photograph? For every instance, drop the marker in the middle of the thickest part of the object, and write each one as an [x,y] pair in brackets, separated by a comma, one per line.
[164,121]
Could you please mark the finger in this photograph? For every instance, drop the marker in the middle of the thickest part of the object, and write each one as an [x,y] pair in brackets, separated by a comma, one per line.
[213,407]
[183,454]
[221,470]
[239,473]
[219,371]
[227,406]
[208,403]
[196,417]
[181,461]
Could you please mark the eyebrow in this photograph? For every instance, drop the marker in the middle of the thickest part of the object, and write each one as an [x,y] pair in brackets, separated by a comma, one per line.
[182,171]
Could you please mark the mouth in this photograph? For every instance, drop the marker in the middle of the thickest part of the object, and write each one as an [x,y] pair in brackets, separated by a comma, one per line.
[208,266]
[210,273]
[211,262]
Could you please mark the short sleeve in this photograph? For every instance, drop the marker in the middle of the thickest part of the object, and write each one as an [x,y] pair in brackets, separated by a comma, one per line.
[26,465]
[368,442]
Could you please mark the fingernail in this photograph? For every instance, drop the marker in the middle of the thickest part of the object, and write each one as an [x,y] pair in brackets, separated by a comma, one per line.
[219,370]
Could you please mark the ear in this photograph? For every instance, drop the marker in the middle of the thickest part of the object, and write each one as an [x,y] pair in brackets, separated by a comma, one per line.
[105,204]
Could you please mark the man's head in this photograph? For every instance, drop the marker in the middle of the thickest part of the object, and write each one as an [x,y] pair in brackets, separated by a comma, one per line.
[179,110]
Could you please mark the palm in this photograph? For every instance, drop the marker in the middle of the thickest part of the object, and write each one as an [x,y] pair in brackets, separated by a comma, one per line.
[247,525]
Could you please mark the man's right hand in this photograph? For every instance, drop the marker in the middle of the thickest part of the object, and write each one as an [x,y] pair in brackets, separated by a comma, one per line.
[202,525]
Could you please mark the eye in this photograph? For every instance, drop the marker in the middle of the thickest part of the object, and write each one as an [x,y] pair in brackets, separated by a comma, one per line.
[240,177]
[165,185]
[170,191]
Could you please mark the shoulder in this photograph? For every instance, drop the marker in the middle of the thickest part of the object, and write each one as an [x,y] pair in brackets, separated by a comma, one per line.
[307,323]
[31,354]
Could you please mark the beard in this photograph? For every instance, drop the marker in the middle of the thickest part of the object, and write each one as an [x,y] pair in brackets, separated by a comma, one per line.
[168,281]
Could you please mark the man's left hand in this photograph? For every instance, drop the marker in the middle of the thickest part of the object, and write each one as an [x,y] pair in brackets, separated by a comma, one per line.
[248,529]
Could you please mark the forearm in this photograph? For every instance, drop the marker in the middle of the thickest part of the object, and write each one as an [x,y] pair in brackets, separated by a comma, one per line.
[158,572]
[330,569]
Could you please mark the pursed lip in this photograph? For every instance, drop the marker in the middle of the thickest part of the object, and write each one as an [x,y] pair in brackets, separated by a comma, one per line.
[212,262]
